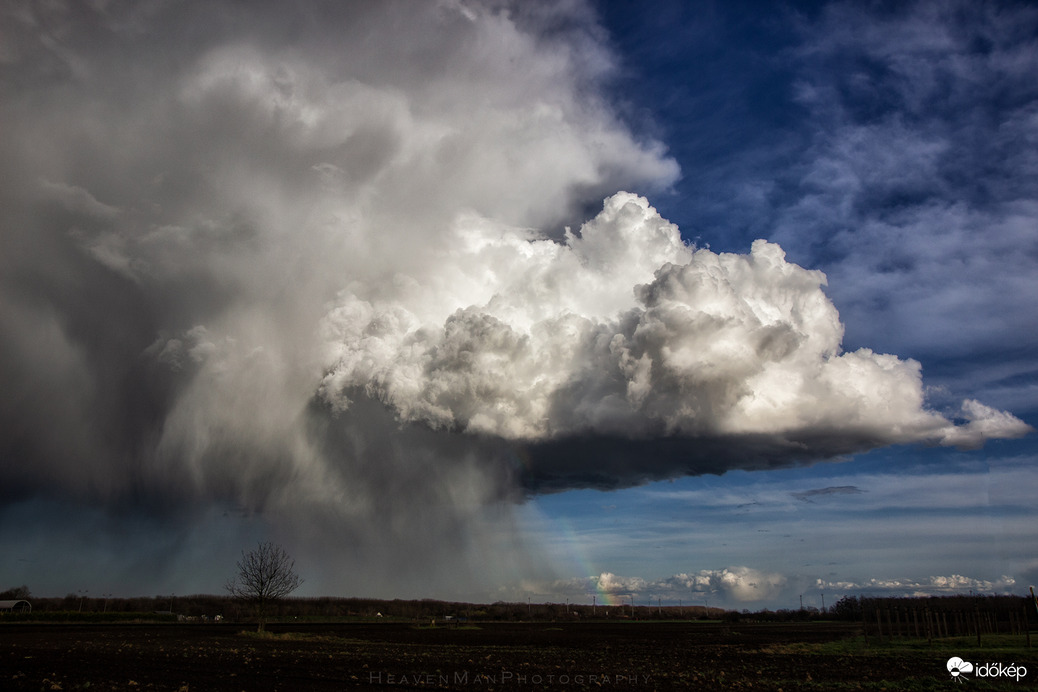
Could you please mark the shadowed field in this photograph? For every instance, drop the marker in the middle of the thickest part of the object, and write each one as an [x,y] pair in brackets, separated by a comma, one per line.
[571,656]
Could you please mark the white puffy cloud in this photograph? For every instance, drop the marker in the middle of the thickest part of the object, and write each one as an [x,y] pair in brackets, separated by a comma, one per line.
[741,586]
[954,584]
[729,585]
[622,329]
[733,585]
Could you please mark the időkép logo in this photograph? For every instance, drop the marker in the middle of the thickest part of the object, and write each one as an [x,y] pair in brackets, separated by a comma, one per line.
[960,670]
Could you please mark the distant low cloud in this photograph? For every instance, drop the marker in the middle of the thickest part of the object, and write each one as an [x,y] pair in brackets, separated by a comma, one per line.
[731,585]
[741,586]
[955,584]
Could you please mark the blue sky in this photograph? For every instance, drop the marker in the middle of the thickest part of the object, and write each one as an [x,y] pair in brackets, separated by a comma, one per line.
[472,301]
[878,145]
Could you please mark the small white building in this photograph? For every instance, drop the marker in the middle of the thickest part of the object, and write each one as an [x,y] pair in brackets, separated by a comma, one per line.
[18,606]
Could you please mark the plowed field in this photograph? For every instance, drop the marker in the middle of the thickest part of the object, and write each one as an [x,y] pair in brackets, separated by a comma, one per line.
[638,656]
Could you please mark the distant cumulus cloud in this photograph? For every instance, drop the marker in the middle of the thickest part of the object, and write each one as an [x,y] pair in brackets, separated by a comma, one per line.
[741,586]
[954,584]
[330,265]
[729,586]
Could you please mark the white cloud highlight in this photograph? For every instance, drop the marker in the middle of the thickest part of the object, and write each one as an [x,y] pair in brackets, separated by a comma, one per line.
[730,585]
[623,329]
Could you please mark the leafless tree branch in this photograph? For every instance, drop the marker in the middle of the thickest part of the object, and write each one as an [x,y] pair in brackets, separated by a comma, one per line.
[265,575]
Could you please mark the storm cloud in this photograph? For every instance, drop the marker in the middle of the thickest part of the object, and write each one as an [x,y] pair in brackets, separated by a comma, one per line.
[365,270]
[620,354]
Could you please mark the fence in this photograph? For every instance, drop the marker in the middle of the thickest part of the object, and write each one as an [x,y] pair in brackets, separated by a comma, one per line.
[940,618]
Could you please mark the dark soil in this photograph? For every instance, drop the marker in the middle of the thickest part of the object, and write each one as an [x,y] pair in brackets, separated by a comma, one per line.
[485,656]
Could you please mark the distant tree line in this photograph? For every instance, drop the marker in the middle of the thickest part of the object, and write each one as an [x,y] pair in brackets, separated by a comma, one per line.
[204,607]
[939,616]
[18,593]
[200,607]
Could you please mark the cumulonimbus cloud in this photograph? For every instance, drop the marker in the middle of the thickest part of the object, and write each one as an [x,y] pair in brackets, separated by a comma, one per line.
[317,270]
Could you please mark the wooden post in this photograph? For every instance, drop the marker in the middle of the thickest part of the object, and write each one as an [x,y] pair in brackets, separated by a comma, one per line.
[1027,630]
[976,613]
[864,621]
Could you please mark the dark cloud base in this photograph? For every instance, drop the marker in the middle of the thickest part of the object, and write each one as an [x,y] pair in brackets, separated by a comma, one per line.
[611,463]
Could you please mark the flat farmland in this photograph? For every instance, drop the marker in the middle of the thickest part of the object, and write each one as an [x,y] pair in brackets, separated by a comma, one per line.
[483,656]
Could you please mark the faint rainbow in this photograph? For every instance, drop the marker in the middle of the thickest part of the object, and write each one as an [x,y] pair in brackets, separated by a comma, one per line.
[582,564]
[520,461]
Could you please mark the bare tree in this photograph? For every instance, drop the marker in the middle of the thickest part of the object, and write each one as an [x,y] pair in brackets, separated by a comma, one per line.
[17,593]
[265,575]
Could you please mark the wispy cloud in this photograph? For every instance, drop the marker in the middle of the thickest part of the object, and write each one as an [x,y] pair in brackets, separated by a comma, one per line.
[920,170]
[809,495]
